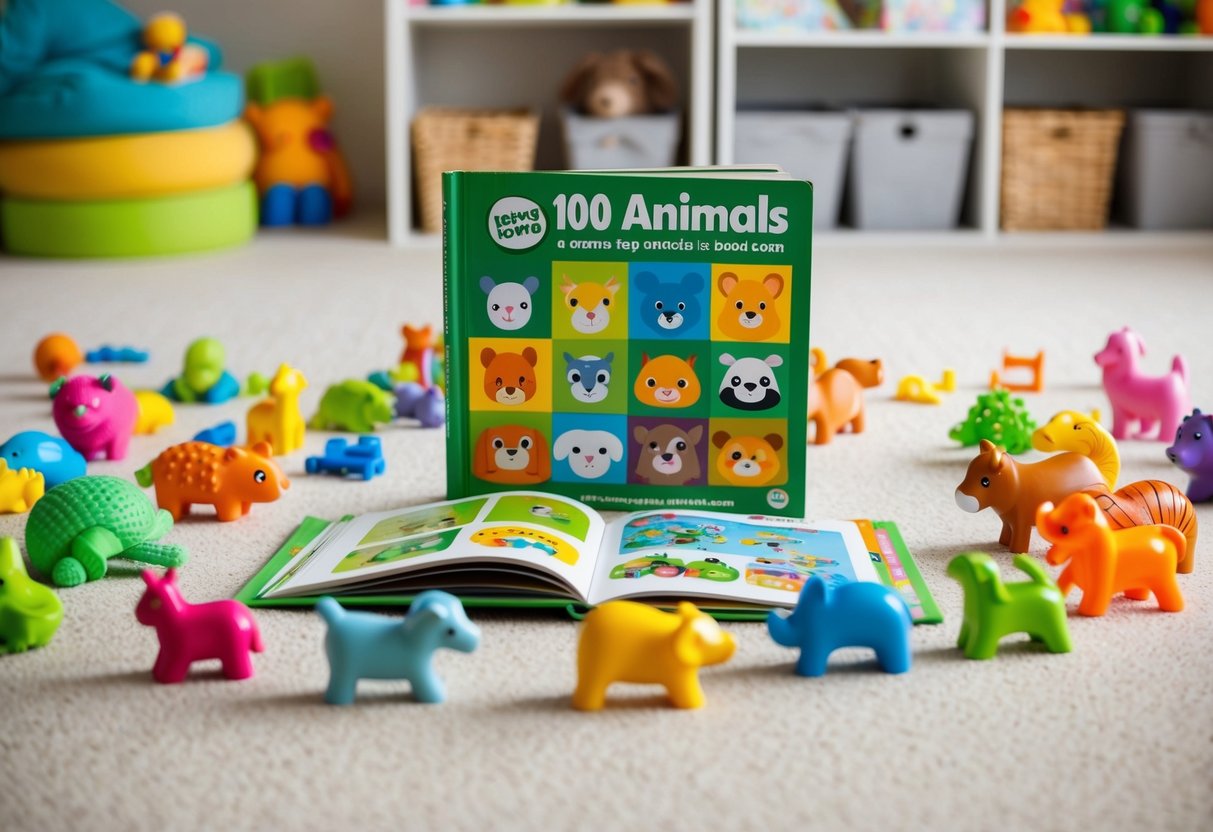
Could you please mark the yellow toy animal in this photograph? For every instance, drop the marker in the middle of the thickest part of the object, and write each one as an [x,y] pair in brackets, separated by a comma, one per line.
[19,489]
[622,641]
[278,420]
[1071,430]
[155,412]
[1046,17]
[167,57]
[917,389]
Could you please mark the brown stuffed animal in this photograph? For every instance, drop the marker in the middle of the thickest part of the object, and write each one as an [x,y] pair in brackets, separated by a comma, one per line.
[623,83]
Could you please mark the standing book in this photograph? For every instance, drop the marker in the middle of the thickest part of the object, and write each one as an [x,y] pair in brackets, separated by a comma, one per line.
[631,340]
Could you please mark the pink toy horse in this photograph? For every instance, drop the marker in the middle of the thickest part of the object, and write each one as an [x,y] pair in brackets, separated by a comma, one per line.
[189,633]
[1140,401]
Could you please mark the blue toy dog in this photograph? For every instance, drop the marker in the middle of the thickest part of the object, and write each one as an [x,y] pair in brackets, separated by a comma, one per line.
[363,645]
[858,614]
[669,308]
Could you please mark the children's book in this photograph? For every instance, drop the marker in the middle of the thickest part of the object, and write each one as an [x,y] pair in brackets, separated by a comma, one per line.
[633,340]
[534,549]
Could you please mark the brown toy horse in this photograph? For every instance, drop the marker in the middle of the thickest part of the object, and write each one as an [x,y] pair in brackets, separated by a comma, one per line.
[836,395]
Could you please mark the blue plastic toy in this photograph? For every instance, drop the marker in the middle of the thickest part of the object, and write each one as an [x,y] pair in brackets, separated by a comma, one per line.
[860,614]
[51,455]
[363,645]
[116,355]
[222,434]
[364,459]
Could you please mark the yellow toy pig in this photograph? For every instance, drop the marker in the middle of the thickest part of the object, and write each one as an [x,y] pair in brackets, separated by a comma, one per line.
[622,641]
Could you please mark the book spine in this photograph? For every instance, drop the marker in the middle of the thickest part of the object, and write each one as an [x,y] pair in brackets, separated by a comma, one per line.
[453,285]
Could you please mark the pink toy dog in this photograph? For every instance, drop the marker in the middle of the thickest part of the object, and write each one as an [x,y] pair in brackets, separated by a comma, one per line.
[95,415]
[1140,401]
[189,633]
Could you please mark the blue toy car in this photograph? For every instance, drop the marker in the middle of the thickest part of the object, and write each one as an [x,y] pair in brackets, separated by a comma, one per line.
[364,459]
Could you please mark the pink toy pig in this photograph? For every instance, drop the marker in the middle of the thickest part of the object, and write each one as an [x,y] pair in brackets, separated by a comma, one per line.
[189,633]
[95,415]
[1141,402]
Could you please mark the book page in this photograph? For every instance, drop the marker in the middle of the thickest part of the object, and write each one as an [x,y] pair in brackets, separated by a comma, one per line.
[551,540]
[738,559]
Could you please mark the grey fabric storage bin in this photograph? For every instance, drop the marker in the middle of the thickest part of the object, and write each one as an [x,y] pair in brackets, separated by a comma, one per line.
[908,168]
[1166,169]
[808,144]
[626,142]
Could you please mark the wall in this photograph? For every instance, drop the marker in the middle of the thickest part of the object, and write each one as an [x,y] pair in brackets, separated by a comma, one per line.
[344,39]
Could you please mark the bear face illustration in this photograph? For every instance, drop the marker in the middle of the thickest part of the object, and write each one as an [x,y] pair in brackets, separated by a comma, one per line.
[668,454]
[509,377]
[667,307]
[750,383]
[509,304]
[749,312]
[748,460]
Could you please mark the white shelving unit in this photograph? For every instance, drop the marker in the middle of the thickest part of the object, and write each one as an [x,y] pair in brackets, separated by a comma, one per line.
[516,56]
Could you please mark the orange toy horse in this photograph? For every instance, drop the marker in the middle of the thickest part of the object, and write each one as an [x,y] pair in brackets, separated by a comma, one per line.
[1103,562]
[836,395]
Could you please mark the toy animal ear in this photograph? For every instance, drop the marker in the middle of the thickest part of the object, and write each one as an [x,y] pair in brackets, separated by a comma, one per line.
[149,577]
[663,89]
[720,438]
[486,356]
[322,106]
[107,381]
[773,283]
[263,448]
[774,440]
[57,385]
[231,453]
[531,284]
[170,576]
[574,82]
[727,282]
[815,591]
[487,284]
[426,618]
[985,446]
[695,434]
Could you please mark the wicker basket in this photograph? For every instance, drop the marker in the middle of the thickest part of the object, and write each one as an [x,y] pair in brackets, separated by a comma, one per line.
[1057,168]
[450,139]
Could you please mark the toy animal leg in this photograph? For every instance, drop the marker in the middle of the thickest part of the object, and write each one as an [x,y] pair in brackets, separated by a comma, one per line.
[983,644]
[1138,594]
[1200,489]
[894,657]
[1021,538]
[91,549]
[1093,603]
[315,206]
[278,205]
[822,434]
[117,447]
[857,423]
[1005,536]
[238,665]
[812,662]
[342,688]
[156,554]
[1065,581]
[170,671]
[1166,589]
[1120,424]
[1055,634]
[1148,429]
[590,693]
[685,691]
[962,640]
[228,511]
[427,687]
[174,507]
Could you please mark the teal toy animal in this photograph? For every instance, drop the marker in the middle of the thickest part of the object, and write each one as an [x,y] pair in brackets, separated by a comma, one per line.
[354,405]
[203,378]
[363,645]
[79,525]
[30,613]
[993,609]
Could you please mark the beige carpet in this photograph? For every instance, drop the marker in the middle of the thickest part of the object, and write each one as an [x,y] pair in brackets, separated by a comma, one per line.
[1118,733]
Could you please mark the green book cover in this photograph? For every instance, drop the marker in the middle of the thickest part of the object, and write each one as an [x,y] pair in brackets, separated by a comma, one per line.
[631,340]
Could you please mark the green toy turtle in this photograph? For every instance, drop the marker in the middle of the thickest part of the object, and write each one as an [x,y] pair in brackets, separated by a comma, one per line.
[76,527]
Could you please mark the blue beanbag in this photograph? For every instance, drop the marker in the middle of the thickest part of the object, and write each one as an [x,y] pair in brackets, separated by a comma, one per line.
[63,73]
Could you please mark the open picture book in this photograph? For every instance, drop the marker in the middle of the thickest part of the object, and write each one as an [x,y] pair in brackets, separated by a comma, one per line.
[531,549]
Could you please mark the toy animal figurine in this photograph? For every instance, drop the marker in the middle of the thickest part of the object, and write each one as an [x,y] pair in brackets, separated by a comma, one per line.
[222,434]
[427,406]
[203,379]
[167,56]
[994,610]
[56,355]
[77,526]
[30,613]
[362,645]
[301,174]
[858,614]
[1192,452]
[189,633]
[52,456]
[1103,561]
[917,389]
[1033,363]
[836,397]
[1070,430]
[277,420]
[363,459]
[419,350]
[354,405]
[155,411]
[95,415]
[20,488]
[230,479]
[1046,17]
[996,417]
[1014,489]
[107,354]
[1141,402]
[626,82]
[1147,503]
[623,641]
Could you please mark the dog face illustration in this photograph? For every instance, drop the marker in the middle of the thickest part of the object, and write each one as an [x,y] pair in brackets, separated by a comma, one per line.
[509,304]
[590,303]
[747,460]
[511,454]
[667,454]
[749,383]
[667,381]
[509,377]
[749,308]
[588,376]
[589,452]
[669,307]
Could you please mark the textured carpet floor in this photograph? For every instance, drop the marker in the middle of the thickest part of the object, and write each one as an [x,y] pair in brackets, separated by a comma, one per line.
[1118,732]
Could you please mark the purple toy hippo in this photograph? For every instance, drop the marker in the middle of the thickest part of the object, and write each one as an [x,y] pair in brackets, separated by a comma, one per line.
[1193,452]
[95,415]
[1139,402]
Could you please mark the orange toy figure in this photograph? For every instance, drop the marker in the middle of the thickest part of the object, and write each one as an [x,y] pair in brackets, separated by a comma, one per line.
[623,641]
[836,396]
[1015,489]
[418,352]
[230,479]
[1103,562]
[667,381]
[1148,503]
[277,420]
[512,454]
[300,174]
[56,355]
[1034,363]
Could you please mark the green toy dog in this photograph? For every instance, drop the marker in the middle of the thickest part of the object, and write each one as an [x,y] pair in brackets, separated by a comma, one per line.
[30,613]
[994,609]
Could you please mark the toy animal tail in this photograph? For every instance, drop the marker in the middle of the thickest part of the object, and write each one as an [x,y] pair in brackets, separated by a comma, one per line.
[144,476]
[1105,454]
[1031,567]
[329,609]
[1180,368]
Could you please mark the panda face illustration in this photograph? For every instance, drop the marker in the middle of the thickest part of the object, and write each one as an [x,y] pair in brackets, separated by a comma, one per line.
[749,383]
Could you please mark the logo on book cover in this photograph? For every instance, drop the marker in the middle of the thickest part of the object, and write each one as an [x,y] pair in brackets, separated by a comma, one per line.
[777,498]
[517,223]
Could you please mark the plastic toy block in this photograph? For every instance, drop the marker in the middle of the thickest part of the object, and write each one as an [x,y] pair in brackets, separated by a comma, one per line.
[363,459]
[1035,364]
